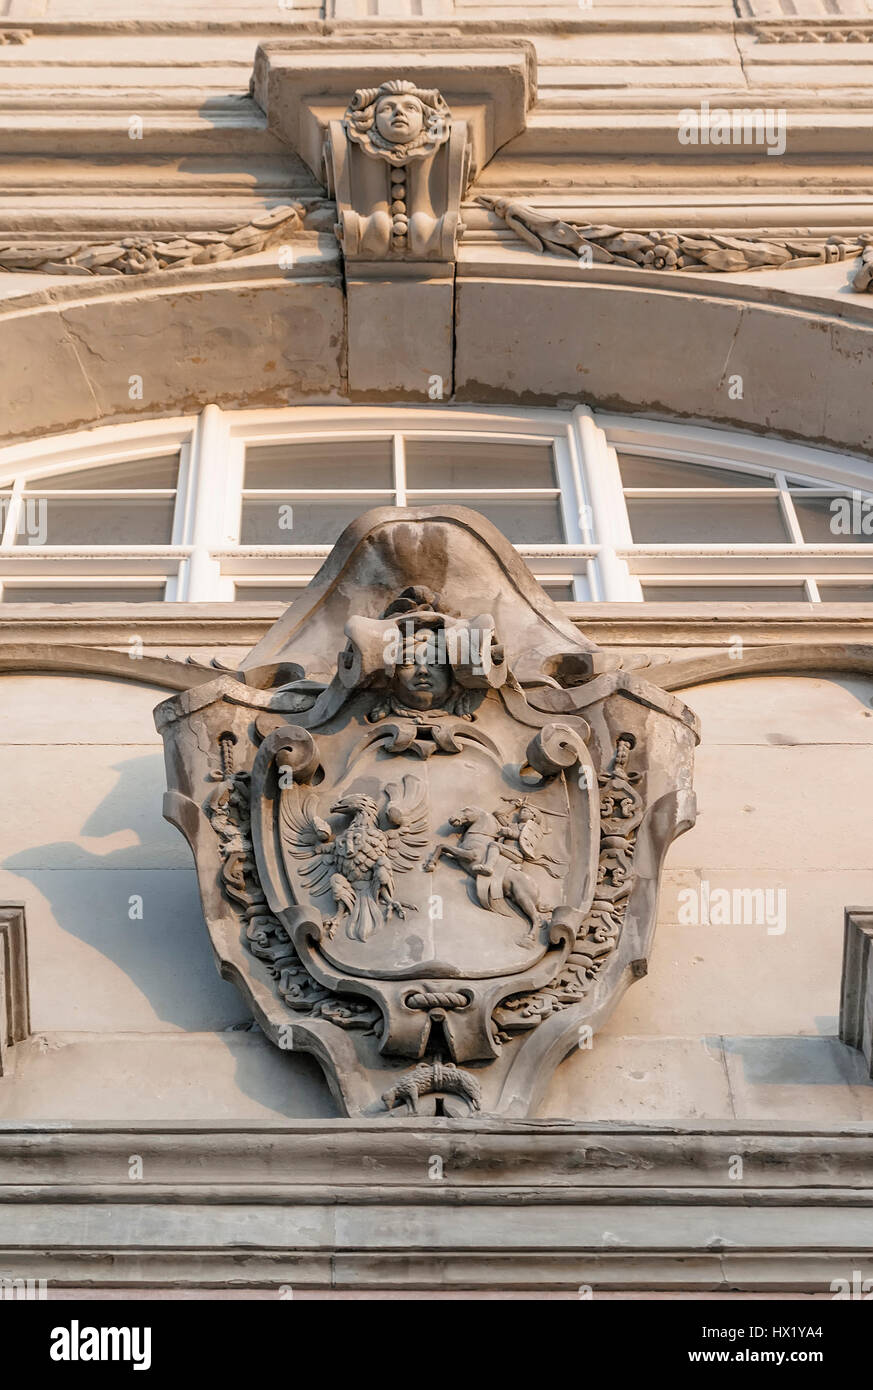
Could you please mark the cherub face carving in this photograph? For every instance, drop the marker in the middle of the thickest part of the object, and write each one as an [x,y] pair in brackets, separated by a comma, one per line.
[422,683]
[399,119]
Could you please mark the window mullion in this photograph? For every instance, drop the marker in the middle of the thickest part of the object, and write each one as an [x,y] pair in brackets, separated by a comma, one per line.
[609,513]
[206,506]
[13,513]
[399,449]
[576,513]
[789,515]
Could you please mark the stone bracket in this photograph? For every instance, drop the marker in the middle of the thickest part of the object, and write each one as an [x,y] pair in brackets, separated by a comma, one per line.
[303,84]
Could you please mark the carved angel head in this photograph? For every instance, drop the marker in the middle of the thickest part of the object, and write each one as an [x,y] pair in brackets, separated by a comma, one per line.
[398,121]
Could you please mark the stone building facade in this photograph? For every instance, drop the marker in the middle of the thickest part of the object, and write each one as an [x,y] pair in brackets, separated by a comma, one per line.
[615,297]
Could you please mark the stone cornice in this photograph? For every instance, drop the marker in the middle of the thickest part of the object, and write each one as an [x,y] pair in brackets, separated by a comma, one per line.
[485,1160]
[594,106]
[545,1205]
[688,647]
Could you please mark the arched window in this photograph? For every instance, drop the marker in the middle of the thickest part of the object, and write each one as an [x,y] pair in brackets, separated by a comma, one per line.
[246,504]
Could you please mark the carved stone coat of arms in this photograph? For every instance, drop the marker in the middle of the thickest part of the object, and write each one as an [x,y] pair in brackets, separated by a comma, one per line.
[428,818]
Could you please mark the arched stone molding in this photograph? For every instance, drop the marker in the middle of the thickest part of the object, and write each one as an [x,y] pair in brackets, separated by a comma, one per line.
[528,330]
[163,672]
[801,659]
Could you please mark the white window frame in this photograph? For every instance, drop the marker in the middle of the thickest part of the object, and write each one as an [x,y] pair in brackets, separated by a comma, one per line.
[242,565]
[109,567]
[726,564]
[205,561]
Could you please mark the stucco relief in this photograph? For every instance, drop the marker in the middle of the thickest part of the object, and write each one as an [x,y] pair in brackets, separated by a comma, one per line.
[435,868]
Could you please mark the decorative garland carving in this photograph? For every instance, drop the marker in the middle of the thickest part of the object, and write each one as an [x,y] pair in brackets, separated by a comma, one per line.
[708,252]
[141,255]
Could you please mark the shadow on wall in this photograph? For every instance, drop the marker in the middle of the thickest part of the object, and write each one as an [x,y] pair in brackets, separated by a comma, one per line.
[812,1061]
[138,907]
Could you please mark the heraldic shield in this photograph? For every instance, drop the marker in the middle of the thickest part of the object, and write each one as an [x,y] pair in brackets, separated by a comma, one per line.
[428,818]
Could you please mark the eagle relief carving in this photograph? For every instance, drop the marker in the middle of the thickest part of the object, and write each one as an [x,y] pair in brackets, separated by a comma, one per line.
[436,866]
[356,863]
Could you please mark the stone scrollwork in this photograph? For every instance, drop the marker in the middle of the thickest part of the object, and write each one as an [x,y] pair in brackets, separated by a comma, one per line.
[428,869]
[710,252]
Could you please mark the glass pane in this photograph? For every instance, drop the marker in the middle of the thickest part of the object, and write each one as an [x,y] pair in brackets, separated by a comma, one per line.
[268,593]
[96,521]
[301,522]
[460,463]
[561,593]
[723,593]
[706,521]
[639,471]
[83,593]
[327,464]
[524,521]
[844,519]
[845,593]
[156,472]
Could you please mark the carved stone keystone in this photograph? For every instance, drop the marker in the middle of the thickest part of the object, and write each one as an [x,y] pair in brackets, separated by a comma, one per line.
[428,818]
[397,134]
